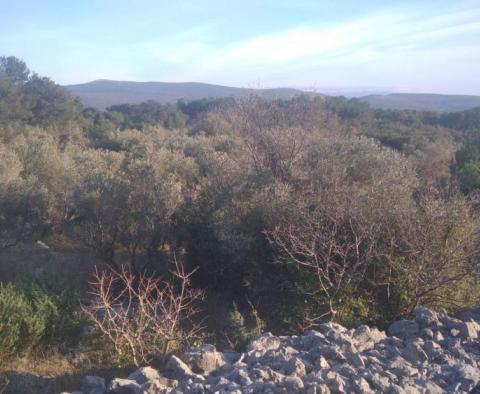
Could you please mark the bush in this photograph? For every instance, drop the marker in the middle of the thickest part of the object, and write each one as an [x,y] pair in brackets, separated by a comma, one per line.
[21,329]
[238,334]
[142,317]
[38,316]
[59,305]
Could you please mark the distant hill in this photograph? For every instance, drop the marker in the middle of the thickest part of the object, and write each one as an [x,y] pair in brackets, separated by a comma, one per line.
[104,93]
[423,102]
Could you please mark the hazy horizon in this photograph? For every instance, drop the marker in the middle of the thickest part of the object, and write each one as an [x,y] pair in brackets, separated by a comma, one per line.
[351,92]
[418,47]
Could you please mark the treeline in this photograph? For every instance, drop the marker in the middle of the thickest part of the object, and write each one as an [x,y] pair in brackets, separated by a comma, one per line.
[299,210]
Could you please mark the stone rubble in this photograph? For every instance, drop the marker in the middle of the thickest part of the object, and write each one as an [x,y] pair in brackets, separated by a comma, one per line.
[433,353]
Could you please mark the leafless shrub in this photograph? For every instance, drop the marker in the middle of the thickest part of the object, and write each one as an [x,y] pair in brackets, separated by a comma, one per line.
[335,247]
[435,250]
[144,317]
[4,383]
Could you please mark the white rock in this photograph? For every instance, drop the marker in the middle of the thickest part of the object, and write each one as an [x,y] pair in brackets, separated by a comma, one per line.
[403,329]
[144,374]
[124,386]
[204,360]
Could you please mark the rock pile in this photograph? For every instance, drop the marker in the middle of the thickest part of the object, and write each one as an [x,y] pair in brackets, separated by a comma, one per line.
[433,353]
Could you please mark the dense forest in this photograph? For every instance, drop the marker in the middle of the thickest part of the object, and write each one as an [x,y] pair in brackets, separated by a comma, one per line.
[235,215]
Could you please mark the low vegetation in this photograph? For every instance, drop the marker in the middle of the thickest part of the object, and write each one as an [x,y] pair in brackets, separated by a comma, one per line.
[145,318]
[288,213]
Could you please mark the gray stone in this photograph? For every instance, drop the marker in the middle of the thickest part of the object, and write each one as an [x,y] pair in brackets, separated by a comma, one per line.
[332,353]
[358,360]
[338,385]
[429,387]
[461,329]
[468,375]
[124,386]
[322,363]
[419,356]
[438,337]
[322,389]
[427,333]
[425,317]
[394,389]
[144,374]
[158,386]
[335,381]
[204,360]
[93,385]
[403,329]
[414,353]
[326,328]
[432,349]
[401,368]
[469,330]
[365,337]
[241,377]
[293,383]
[361,386]
[260,374]
[231,356]
[454,332]
[295,367]
[177,369]
[471,314]
[379,382]
[264,342]
[312,339]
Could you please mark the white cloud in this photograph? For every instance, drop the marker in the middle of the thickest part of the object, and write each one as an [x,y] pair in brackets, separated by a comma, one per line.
[361,36]
[398,45]
[363,39]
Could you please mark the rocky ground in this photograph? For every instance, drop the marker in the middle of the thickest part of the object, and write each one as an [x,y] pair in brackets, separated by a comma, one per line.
[433,353]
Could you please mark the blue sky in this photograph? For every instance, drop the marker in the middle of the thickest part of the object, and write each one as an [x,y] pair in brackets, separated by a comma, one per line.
[417,46]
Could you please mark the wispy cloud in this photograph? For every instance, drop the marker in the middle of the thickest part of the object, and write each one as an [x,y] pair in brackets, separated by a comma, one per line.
[379,37]
[362,35]
[278,42]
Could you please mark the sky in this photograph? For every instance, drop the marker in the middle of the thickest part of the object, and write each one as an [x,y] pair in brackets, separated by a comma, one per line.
[324,45]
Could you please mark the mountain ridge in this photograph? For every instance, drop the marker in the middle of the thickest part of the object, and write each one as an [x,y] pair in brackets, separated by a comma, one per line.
[423,101]
[103,93]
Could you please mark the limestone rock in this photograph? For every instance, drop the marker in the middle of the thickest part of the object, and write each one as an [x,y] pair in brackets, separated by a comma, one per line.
[403,329]
[93,385]
[177,369]
[144,374]
[433,353]
[124,386]
[204,360]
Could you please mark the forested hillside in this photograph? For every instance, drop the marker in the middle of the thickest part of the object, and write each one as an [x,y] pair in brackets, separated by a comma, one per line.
[423,102]
[103,93]
[269,214]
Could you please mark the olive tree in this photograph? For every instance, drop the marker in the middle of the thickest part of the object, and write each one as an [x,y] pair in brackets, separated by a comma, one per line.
[23,202]
[349,193]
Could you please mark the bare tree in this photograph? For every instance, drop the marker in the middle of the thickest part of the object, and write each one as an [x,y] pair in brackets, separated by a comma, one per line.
[142,316]
[439,248]
[351,196]
[270,138]
[336,247]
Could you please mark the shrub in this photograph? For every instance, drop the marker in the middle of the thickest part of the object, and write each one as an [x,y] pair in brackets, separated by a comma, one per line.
[238,334]
[58,303]
[21,329]
[143,317]
[37,316]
